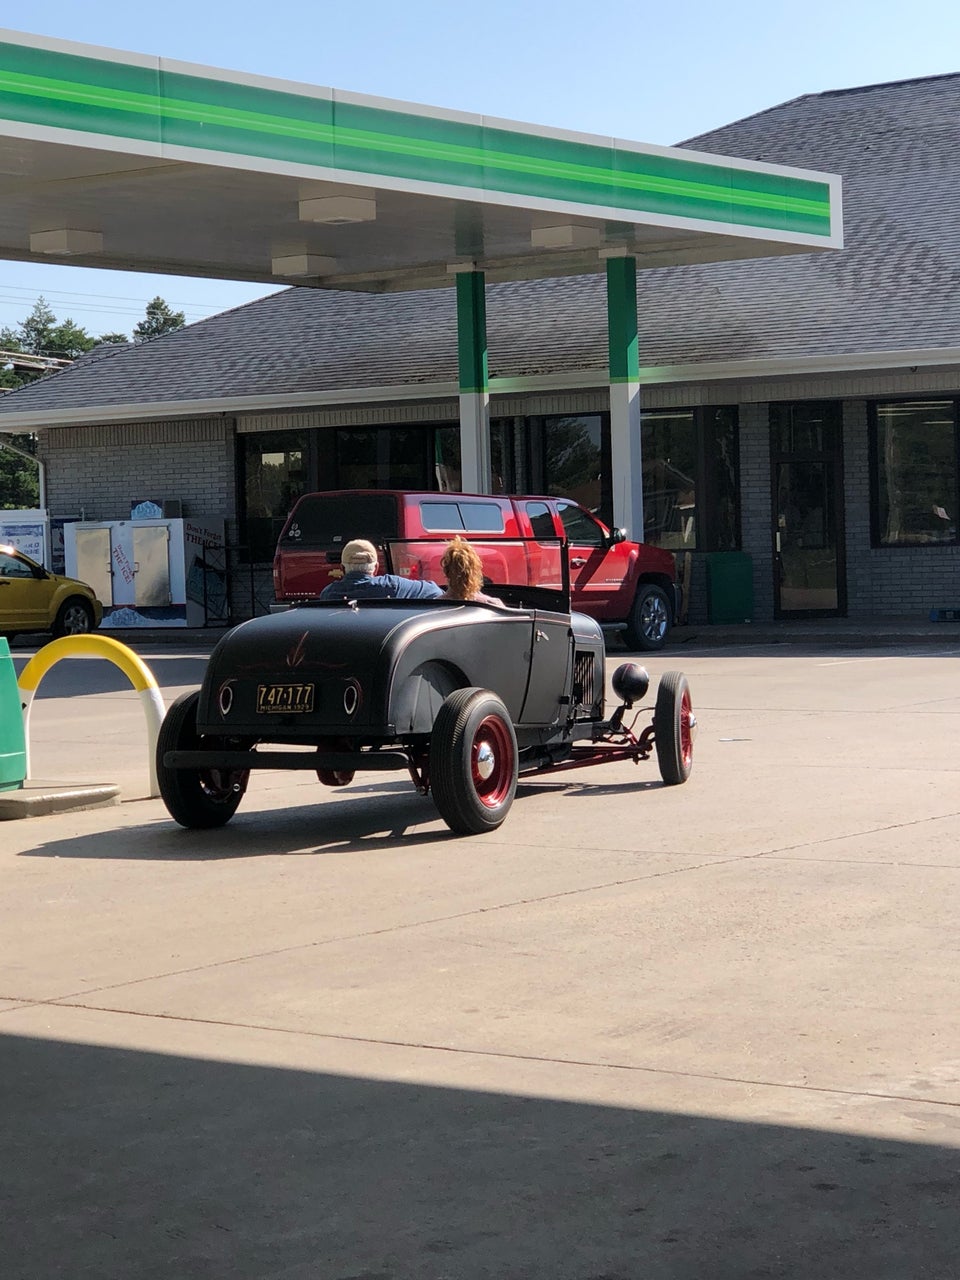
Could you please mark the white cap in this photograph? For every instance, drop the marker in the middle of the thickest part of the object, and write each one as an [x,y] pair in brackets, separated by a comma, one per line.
[359,554]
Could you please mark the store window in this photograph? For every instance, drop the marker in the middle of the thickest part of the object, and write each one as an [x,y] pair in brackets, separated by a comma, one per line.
[447,475]
[273,475]
[383,458]
[914,473]
[576,461]
[690,478]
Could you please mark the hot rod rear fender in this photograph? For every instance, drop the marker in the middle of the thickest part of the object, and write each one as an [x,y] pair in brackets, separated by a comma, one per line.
[479,646]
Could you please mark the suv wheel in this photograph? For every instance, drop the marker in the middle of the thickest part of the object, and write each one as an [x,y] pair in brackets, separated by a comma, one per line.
[650,618]
[74,618]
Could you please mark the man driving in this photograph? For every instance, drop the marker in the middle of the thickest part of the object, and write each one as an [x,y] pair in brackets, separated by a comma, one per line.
[361,581]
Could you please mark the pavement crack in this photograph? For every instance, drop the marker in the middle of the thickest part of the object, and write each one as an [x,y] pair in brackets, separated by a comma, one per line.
[507,1056]
[715,861]
[853,835]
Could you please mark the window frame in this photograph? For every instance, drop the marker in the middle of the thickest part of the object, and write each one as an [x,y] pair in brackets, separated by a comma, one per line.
[873,449]
[706,459]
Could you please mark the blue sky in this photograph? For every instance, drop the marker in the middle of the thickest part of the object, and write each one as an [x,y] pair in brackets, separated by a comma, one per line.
[652,73]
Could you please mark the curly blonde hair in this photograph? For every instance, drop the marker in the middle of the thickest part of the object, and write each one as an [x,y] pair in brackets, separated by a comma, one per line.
[463,569]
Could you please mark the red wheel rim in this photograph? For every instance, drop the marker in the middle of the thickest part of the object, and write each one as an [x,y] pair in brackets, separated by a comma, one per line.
[491,762]
[686,729]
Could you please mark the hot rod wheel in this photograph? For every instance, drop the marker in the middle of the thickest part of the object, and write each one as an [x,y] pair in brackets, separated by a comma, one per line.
[674,727]
[473,761]
[195,797]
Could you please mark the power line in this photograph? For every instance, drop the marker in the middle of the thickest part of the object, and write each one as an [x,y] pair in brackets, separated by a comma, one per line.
[49,294]
[105,312]
[99,308]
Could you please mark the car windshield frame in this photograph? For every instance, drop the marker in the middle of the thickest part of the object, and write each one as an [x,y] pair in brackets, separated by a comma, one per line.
[519,594]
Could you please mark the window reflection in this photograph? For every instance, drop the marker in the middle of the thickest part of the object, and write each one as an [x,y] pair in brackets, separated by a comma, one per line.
[573,460]
[274,477]
[669,484]
[915,472]
[690,485]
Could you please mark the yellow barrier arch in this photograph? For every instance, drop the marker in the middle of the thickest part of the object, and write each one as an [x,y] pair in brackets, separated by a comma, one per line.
[132,666]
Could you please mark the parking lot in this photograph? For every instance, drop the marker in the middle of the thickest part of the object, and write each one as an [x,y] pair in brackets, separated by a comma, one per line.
[700,1031]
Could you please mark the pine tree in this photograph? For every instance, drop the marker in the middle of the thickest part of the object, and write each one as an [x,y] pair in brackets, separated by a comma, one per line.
[158,321]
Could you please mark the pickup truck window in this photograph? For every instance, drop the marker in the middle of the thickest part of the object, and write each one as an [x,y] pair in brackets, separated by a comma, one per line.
[454,517]
[331,520]
[482,517]
[579,527]
[541,520]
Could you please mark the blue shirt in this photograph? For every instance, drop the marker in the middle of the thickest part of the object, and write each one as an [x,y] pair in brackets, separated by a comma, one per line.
[360,585]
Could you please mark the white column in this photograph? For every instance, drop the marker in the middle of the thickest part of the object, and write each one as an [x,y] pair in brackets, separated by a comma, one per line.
[624,364]
[475,469]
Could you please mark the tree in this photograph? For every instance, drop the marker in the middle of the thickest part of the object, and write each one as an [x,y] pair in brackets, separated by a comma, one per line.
[35,332]
[113,339]
[68,341]
[39,334]
[19,481]
[158,321]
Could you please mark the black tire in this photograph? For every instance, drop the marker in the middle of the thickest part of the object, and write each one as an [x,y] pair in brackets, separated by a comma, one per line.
[195,797]
[651,618]
[674,728]
[335,777]
[473,761]
[74,618]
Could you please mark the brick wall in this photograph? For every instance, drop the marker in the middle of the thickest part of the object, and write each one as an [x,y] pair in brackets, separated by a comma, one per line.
[98,471]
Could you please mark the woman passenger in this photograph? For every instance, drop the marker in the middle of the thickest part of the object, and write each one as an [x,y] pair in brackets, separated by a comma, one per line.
[463,570]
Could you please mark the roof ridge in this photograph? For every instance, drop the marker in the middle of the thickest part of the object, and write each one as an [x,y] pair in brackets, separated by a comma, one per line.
[885,84]
[754,115]
[824,93]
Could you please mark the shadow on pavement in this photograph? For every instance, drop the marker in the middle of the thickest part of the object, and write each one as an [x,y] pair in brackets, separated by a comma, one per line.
[349,821]
[127,1163]
[332,825]
[71,676]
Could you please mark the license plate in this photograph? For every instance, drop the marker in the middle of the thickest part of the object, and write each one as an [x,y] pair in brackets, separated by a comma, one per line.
[276,699]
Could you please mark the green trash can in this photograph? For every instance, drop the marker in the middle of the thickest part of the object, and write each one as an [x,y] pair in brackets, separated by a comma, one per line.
[729,586]
[13,745]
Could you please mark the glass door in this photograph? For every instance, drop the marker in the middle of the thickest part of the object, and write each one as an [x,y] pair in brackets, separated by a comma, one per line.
[808,542]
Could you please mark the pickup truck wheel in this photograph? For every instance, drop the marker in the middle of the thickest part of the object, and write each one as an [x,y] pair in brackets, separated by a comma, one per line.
[74,618]
[674,728]
[650,618]
[473,761]
[195,797]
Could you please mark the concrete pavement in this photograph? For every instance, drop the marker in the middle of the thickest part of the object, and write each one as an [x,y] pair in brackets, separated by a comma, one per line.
[703,1031]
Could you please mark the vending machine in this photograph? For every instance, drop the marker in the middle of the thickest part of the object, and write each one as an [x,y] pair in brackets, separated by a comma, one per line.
[152,572]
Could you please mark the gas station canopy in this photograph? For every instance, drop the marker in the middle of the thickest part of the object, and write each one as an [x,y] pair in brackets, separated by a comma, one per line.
[124,161]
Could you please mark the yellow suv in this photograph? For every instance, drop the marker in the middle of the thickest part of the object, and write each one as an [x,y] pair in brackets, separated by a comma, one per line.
[32,599]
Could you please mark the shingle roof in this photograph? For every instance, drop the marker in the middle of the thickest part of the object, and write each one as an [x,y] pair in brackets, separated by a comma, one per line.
[895,285]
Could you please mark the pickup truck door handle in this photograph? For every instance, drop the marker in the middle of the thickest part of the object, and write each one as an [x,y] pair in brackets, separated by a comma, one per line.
[578,563]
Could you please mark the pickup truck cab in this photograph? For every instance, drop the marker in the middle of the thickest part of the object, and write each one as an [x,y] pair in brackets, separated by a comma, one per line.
[624,585]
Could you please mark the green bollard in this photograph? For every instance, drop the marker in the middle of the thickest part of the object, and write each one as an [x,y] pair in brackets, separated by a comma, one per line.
[13,745]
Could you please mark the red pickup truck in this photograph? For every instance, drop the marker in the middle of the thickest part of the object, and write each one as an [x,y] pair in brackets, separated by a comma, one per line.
[624,585]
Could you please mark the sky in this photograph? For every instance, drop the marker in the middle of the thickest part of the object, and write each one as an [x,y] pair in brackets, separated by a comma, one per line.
[647,73]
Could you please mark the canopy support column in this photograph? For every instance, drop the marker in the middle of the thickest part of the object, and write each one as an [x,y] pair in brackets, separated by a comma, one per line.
[475,470]
[624,362]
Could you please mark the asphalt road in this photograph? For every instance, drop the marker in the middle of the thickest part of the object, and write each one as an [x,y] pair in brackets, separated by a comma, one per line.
[701,1031]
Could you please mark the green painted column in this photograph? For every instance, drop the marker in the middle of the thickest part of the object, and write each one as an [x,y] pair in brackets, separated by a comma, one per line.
[475,468]
[624,362]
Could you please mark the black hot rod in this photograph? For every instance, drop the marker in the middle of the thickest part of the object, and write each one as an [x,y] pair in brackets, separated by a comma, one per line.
[463,696]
